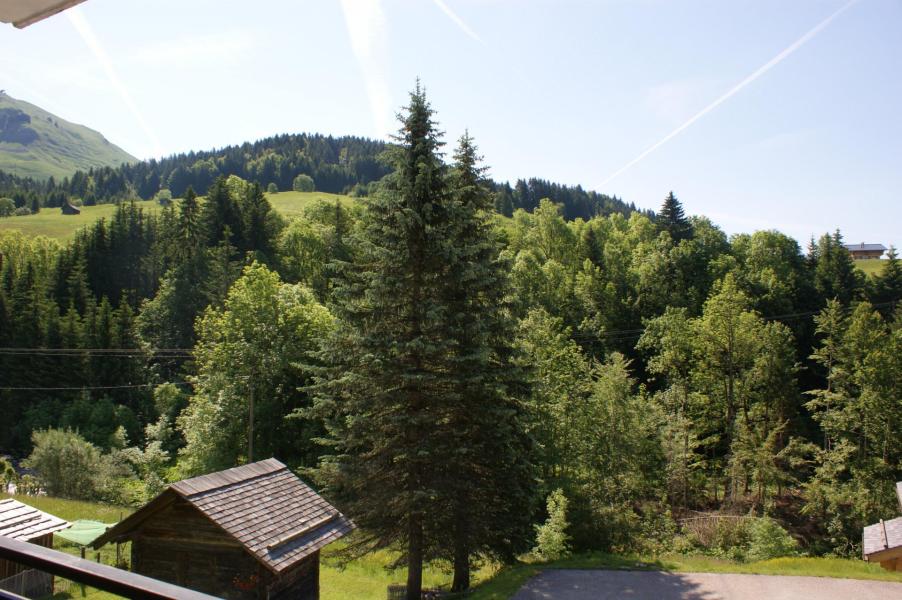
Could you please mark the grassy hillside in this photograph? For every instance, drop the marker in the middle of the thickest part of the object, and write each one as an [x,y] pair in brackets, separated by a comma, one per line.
[292,204]
[871,266]
[35,143]
[50,222]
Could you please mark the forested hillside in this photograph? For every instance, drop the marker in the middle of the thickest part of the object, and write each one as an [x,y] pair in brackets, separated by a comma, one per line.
[342,165]
[443,375]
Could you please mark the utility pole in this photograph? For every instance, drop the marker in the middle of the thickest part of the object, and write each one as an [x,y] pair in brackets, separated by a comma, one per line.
[250,434]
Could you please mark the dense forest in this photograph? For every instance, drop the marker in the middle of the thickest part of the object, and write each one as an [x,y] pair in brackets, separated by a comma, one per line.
[340,165]
[441,370]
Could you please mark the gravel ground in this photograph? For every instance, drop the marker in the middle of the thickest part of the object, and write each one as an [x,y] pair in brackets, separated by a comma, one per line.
[603,585]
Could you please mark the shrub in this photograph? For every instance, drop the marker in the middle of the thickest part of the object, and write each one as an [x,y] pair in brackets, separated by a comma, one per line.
[272,188]
[552,541]
[7,207]
[66,464]
[7,473]
[28,485]
[22,211]
[303,183]
[768,540]
[164,197]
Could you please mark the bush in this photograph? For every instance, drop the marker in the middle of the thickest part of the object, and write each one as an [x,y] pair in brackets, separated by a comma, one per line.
[768,540]
[303,183]
[164,197]
[7,207]
[272,188]
[22,211]
[66,464]
[552,541]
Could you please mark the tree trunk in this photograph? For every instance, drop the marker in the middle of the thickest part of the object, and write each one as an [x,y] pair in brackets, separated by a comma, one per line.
[415,558]
[461,580]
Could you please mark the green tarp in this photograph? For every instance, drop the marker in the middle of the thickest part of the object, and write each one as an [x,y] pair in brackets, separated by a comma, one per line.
[83,532]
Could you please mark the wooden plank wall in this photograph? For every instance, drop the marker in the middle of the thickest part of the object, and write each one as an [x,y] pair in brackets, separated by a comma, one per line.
[182,546]
[301,582]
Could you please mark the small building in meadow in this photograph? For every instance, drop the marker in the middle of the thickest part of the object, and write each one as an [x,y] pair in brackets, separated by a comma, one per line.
[864,251]
[250,532]
[25,523]
[882,542]
[69,209]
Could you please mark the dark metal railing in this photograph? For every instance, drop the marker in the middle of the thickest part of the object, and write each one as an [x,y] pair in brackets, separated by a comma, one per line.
[109,579]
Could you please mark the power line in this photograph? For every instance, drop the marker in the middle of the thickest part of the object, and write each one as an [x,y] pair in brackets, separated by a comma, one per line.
[88,387]
[125,350]
[626,334]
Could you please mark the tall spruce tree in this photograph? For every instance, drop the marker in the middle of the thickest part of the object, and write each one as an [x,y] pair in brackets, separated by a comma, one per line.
[489,471]
[672,220]
[389,383]
[887,284]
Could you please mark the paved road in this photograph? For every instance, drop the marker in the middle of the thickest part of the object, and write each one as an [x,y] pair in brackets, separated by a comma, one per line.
[658,585]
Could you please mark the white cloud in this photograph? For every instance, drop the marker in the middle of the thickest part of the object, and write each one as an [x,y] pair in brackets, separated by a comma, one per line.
[368,32]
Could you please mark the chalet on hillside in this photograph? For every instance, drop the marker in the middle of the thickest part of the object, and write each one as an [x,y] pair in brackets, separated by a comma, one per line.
[862,251]
[28,524]
[250,532]
[882,542]
[68,209]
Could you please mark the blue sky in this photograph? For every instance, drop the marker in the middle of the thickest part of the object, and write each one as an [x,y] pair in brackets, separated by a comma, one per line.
[572,91]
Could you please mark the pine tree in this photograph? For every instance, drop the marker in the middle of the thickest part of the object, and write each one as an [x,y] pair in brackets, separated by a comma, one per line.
[388,380]
[672,220]
[888,284]
[489,480]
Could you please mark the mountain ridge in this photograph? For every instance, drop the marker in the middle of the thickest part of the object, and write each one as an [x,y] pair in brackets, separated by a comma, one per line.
[38,144]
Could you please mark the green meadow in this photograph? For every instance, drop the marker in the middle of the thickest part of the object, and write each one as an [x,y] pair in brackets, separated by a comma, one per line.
[50,222]
[871,266]
[367,578]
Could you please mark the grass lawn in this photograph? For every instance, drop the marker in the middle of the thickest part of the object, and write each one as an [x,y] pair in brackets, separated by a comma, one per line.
[870,266]
[368,578]
[292,204]
[50,222]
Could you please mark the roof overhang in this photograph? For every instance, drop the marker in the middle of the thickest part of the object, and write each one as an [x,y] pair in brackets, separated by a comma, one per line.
[22,13]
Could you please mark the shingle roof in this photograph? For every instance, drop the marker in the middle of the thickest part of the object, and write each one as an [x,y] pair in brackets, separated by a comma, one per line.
[22,522]
[264,506]
[863,246]
[885,535]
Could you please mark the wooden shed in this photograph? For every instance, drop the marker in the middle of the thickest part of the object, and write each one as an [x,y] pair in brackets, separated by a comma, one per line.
[28,524]
[882,542]
[68,209]
[249,532]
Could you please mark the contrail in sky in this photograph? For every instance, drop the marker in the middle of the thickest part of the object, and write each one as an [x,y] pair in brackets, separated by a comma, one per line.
[368,33]
[87,34]
[457,20]
[735,89]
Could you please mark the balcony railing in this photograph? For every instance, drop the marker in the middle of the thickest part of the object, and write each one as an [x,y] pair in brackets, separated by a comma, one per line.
[109,579]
